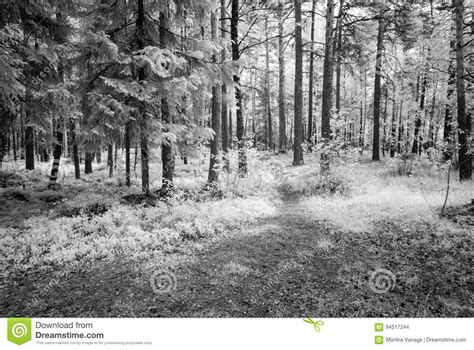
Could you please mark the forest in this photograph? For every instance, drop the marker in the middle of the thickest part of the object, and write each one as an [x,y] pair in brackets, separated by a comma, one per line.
[236,158]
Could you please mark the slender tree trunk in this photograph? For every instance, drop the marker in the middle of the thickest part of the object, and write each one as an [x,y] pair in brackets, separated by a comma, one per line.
[465,159]
[417,140]
[378,72]
[267,81]
[213,176]
[56,158]
[327,85]
[110,159]
[128,130]
[29,148]
[224,111]
[298,117]
[231,134]
[14,141]
[143,116]
[234,34]
[167,156]
[281,84]
[88,163]
[311,78]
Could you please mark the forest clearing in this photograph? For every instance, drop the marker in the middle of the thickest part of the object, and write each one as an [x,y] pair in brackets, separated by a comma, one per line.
[230,158]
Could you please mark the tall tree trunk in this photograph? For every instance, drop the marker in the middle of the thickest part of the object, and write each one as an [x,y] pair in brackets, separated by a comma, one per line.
[110,159]
[224,111]
[88,163]
[143,117]
[29,147]
[298,117]
[167,156]
[417,140]
[213,176]
[56,158]
[378,73]
[14,141]
[327,84]
[311,78]
[281,83]
[465,159]
[267,81]
[234,35]
[126,143]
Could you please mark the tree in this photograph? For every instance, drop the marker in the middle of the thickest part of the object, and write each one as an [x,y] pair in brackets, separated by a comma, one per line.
[465,159]
[311,77]
[234,36]
[377,88]
[298,106]
[213,176]
[281,83]
[327,83]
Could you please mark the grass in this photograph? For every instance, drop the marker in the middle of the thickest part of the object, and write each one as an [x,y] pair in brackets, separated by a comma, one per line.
[283,241]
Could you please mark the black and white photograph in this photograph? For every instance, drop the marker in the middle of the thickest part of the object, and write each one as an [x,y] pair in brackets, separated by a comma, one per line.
[236,159]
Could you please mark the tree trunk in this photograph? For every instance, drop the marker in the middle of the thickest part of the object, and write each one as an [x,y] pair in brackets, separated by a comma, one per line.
[213,176]
[128,130]
[281,85]
[88,163]
[327,84]
[298,117]
[465,159]
[142,108]
[267,81]
[56,158]
[417,140]
[14,141]
[378,72]
[311,79]
[29,147]
[110,159]
[234,34]
[224,111]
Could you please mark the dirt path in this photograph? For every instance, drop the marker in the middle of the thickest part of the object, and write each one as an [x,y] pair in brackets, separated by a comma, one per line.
[288,265]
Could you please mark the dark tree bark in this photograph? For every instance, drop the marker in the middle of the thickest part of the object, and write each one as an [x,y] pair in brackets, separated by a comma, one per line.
[234,34]
[167,156]
[110,159]
[311,79]
[88,163]
[448,116]
[267,81]
[56,158]
[327,84]
[126,143]
[213,175]
[224,111]
[14,142]
[143,116]
[416,148]
[281,84]
[465,159]
[29,147]
[377,92]
[298,118]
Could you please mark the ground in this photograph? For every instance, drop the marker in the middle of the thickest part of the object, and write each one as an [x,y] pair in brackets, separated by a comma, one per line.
[282,242]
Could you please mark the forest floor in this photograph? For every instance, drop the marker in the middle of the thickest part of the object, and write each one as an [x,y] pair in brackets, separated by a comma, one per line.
[282,242]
